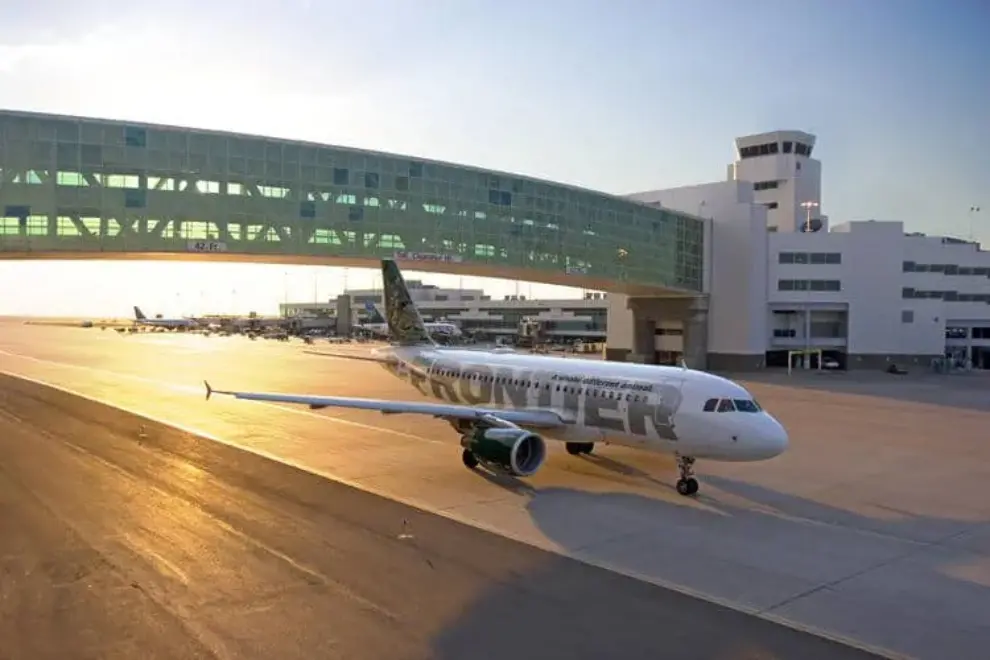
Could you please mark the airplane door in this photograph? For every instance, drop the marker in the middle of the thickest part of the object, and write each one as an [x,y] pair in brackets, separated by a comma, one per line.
[666,401]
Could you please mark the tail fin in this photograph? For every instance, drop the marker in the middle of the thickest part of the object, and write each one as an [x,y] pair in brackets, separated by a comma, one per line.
[374,316]
[138,314]
[404,322]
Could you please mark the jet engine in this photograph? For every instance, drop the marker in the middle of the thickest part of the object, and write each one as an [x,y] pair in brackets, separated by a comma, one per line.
[512,450]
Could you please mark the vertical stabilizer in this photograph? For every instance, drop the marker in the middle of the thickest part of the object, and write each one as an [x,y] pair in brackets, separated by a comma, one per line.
[405,325]
[138,314]
[374,316]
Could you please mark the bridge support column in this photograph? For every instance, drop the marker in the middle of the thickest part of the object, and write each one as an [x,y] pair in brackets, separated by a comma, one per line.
[344,318]
[644,344]
[696,334]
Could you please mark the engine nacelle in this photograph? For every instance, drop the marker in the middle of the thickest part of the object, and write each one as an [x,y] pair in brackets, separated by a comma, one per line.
[516,451]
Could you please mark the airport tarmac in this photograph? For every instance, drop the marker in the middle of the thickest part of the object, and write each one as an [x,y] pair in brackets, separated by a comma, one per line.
[873,526]
[126,539]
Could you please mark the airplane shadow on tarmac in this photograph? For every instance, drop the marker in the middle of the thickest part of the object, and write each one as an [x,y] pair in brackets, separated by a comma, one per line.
[764,550]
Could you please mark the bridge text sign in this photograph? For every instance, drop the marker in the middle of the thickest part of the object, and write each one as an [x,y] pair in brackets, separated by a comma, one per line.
[207,246]
[429,256]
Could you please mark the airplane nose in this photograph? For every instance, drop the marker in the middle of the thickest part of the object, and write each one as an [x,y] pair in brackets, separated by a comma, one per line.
[774,441]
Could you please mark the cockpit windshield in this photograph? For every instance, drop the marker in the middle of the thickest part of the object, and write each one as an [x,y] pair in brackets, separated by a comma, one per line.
[732,405]
[747,405]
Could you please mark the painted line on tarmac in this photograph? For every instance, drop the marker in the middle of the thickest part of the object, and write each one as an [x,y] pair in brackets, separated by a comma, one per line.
[189,389]
[474,522]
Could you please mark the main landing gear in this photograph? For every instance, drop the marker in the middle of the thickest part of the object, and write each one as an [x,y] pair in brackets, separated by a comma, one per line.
[469,459]
[687,484]
[578,448]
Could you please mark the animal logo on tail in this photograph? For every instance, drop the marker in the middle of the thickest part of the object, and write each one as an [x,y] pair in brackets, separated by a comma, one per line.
[404,322]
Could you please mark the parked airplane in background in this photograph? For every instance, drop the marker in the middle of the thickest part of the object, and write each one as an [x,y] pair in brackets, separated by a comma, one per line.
[378,326]
[504,405]
[141,319]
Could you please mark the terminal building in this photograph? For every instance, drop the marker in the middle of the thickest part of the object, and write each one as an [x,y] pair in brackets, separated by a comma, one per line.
[780,278]
[477,314]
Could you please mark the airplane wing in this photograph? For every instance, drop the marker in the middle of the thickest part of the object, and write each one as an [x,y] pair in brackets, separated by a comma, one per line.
[348,356]
[540,418]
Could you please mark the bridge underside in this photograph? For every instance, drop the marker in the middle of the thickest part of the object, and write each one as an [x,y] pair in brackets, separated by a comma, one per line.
[470,269]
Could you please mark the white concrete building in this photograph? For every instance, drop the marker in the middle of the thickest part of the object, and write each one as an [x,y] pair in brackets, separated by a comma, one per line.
[780,279]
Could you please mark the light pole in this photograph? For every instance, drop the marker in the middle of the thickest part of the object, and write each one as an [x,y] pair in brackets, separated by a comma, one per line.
[973,210]
[808,206]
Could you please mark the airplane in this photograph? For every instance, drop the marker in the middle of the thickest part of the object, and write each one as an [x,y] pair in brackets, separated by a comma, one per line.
[141,319]
[505,406]
[378,325]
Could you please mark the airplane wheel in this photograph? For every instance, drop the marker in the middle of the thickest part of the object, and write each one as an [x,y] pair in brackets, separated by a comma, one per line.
[578,448]
[687,486]
[469,459]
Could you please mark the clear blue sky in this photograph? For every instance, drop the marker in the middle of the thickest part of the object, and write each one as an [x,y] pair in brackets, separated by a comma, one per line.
[620,95]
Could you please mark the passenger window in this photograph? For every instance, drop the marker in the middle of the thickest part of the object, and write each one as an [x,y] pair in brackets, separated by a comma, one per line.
[710,405]
[725,405]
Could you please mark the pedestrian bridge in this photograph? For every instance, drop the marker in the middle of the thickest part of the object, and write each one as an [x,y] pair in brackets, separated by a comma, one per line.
[78,188]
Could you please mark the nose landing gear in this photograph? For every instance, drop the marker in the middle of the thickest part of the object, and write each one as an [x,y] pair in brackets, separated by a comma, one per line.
[687,484]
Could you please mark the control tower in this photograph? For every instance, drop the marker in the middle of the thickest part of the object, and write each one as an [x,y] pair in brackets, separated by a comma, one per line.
[785,178]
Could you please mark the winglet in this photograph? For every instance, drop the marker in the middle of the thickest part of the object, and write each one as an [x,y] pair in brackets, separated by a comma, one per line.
[209,390]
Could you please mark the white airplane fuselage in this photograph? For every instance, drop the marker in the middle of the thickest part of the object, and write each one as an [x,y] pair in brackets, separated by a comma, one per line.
[649,407]
[166,323]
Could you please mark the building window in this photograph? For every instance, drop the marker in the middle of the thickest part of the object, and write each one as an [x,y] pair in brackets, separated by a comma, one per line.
[788,146]
[341,176]
[817,258]
[785,285]
[135,199]
[833,258]
[135,137]
[785,258]
[772,205]
[825,285]
[765,185]
[800,257]
[907,316]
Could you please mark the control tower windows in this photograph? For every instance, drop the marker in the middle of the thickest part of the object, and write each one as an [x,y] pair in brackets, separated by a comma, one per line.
[771,148]
[767,149]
